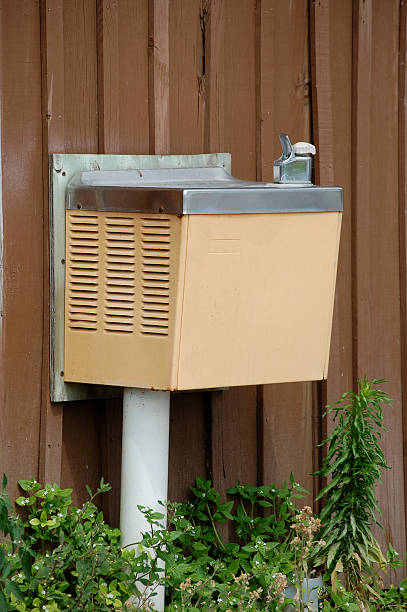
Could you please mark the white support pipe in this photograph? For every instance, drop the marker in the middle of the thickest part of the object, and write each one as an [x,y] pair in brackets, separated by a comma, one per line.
[145,444]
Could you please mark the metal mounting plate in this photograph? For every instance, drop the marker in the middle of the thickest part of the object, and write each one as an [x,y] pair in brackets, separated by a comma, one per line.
[61,169]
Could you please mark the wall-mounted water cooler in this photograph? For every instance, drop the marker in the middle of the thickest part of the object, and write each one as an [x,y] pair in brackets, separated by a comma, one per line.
[189,278]
[169,274]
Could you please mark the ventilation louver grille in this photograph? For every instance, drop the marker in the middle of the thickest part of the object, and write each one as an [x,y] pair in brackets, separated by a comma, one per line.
[156,276]
[83,231]
[120,265]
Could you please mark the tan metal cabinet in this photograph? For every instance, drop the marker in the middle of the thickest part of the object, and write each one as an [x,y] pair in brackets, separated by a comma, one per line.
[189,278]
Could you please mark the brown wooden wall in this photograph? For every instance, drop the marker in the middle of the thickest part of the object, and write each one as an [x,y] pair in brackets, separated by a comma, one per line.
[193,76]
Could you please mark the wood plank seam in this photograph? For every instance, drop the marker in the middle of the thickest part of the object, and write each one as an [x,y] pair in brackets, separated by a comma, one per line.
[322,132]
[202,76]
[355,104]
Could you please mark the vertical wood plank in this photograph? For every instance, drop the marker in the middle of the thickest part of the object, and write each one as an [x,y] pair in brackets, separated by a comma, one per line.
[232,91]
[111,424]
[234,447]
[287,421]
[159,78]
[234,437]
[52,58]
[123,76]
[188,442]
[403,225]
[231,126]
[376,231]
[81,453]
[1,223]
[22,197]
[80,76]
[52,21]
[285,79]
[187,78]
[331,45]
[175,69]
[123,91]
[288,434]
[81,461]
[215,54]
[331,67]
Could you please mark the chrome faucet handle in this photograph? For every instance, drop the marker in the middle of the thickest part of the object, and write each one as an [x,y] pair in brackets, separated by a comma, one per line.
[288,150]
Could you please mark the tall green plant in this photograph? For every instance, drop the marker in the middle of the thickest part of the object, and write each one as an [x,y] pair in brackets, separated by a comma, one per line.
[353,463]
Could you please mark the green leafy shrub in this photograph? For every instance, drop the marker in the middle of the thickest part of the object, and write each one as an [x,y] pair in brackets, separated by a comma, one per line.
[55,556]
[65,558]
[60,557]
[249,573]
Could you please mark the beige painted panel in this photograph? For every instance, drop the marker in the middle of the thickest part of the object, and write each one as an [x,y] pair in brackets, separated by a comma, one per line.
[200,301]
[258,298]
[122,313]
